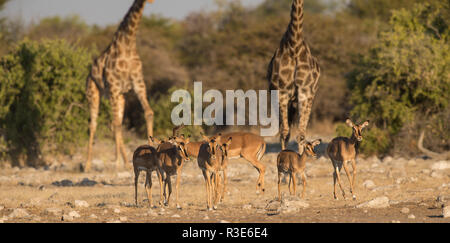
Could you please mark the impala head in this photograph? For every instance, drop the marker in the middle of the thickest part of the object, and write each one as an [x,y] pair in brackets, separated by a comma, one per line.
[213,144]
[357,129]
[152,141]
[308,147]
[181,146]
[225,147]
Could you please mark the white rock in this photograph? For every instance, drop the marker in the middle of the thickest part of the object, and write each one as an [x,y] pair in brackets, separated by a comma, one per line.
[19,213]
[53,211]
[124,175]
[369,184]
[117,210]
[1,207]
[176,216]
[74,214]
[405,210]
[93,216]
[411,216]
[379,202]
[446,212]
[81,204]
[123,219]
[436,175]
[224,221]
[441,165]
[247,206]
[66,217]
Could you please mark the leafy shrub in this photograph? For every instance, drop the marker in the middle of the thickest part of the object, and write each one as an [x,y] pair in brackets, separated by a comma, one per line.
[43,107]
[405,79]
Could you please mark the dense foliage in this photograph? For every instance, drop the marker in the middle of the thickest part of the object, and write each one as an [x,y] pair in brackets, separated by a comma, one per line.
[383,60]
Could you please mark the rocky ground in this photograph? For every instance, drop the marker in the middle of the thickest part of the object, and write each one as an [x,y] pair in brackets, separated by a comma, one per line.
[389,190]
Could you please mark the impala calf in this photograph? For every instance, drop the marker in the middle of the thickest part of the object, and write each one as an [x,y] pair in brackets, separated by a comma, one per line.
[171,157]
[212,158]
[342,150]
[291,162]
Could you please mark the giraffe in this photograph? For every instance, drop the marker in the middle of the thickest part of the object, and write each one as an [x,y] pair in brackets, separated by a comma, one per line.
[116,71]
[295,73]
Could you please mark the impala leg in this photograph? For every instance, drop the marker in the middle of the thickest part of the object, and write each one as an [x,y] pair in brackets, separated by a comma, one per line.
[304,184]
[206,177]
[289,184]
[177,187]
[349,178]
[136,179]
[224,185]
[216,189]
[353,177]
[337,172]
[260,168]
[294,182]
[279,182]
[148,187]
[161,186]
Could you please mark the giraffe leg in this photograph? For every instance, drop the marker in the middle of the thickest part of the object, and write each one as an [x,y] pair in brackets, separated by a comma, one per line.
[93,96]
[284,124]
[118,105]
[141,92]
[305,111]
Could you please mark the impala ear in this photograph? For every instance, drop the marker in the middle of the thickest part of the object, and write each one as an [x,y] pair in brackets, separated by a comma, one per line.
[205,138]
[349,122]
[316,142]
[229,141]
[365,124]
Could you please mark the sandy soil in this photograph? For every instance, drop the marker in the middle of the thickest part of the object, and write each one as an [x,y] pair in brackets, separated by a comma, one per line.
[416,190]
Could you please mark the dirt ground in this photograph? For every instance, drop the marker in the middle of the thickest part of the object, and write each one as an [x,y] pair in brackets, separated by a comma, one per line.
[416,190]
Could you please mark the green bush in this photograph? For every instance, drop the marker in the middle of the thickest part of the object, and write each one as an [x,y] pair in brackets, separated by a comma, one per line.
[405,78]
[43,107]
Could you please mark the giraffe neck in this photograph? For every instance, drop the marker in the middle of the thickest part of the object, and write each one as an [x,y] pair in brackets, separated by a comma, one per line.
[128,27]
[295,28]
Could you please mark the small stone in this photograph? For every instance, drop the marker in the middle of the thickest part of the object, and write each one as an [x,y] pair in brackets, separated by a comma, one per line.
[124,175]
[369,184]
[405,210]
[66,218]
[74,214]
[93,216]
[176,216]
[446,212]
[379,202]
[53,211]
[81,204]
[441,165]
[411,216]
[19,213]
[117,210]
[224,222]
[206,217]
[247,206]
[123,219]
